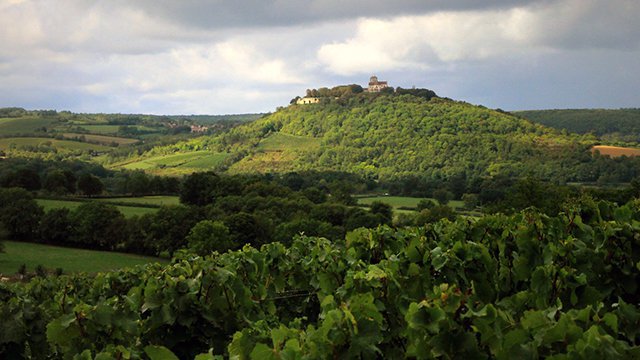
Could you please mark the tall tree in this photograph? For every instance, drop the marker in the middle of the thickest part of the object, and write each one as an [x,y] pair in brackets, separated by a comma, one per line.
[19,213]
[90,185]
[98,225]
[208,236]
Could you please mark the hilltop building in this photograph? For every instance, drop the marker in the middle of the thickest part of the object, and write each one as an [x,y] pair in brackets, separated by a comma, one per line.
[308,100]
[314,95]
[375,85]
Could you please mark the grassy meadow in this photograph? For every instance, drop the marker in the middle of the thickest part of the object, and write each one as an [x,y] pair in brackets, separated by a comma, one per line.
[127,211]
[402,201]
[113,129]
[276,153]
[181,163]
[60,145]
[70,260]
[155,200]
[24,125]
[102,139]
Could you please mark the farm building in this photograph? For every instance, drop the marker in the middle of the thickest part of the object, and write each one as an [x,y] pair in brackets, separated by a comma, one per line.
[308,100]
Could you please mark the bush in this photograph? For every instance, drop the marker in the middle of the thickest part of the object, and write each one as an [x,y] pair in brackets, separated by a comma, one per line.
[208,236]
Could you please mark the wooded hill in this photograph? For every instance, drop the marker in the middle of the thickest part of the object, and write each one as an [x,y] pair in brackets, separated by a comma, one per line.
[391,136]
[616,124]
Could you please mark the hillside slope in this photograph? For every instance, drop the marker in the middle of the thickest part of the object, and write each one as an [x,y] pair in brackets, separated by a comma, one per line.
[388,136]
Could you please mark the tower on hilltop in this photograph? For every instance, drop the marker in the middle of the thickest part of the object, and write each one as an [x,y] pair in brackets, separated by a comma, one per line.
[375,85]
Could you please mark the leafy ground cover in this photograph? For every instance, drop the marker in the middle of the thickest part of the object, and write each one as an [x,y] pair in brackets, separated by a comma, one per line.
[281,141]
[525,286]
[70,260]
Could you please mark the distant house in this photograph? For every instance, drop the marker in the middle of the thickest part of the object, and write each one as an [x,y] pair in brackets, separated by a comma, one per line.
[308,100]
[198,128]
[375,85]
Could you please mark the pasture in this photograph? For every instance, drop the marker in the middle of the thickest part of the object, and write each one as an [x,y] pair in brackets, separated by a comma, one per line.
[127,211]
[276,153]
[156,200]
[69,259]
[63,145]
[181,163]
[113,129]
[402,201]
[615,151]
[101,139]
[24,125]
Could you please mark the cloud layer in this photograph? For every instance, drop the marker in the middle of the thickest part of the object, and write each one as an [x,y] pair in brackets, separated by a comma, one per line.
[197,56]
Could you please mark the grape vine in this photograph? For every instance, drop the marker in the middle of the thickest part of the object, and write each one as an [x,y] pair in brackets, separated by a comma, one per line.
[521,286]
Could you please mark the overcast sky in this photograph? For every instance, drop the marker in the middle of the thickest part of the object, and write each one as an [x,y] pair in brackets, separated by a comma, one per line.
[222,56]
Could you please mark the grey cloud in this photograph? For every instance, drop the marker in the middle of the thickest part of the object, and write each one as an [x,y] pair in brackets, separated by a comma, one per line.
[580,24]
[261,13]
[188,56]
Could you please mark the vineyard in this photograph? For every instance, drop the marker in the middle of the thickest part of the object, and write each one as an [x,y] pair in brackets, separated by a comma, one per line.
[522,286]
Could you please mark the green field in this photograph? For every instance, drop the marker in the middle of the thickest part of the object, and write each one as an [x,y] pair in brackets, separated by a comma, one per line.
[23,125]
[70,260]
[146,200]
[180,163]
[6,143]
[101,129]
[127,211]
[281,142]
[402,201]
[113,129]
[102,139]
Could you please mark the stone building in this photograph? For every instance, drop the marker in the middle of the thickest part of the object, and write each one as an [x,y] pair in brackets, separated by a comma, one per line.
[308,100]
[375,85]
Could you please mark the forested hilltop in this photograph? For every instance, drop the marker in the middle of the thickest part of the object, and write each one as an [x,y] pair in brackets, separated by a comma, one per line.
[391,136]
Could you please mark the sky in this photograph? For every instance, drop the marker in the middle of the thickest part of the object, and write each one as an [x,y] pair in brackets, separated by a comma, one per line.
[245,56]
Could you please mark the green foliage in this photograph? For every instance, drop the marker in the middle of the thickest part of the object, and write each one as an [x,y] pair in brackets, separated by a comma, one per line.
[425,204]
[442,196]
[524,286]
[19,213]
[393,136]
[208,236]
[384,211]
[25,178]
[90,185]
[97,225]
[470,201]
[434,214]
[622,124]
[4,235]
